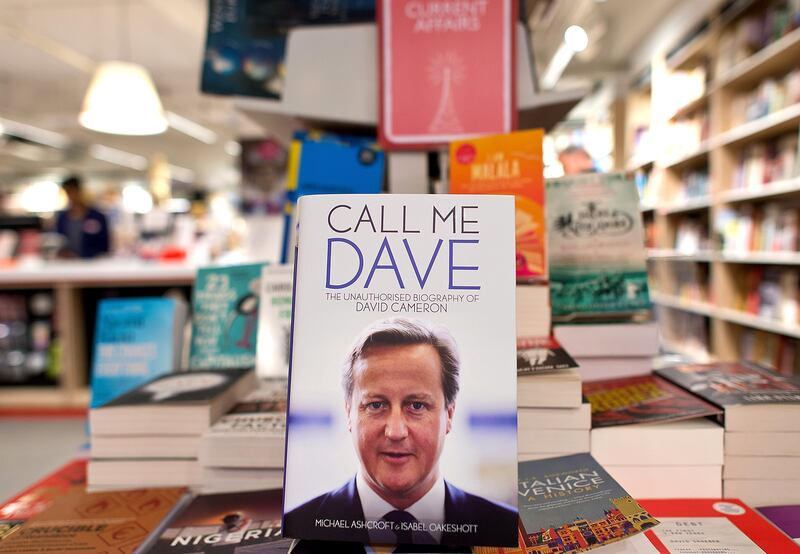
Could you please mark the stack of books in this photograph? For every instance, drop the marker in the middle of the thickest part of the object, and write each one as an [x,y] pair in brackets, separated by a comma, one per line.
[552,419]
[610,350]
[762,427]
[533,309]
[244,449]
[655,438]
[150,436]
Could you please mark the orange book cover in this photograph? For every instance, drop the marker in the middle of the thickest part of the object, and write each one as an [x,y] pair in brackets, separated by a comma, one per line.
[104,522]
[508,164]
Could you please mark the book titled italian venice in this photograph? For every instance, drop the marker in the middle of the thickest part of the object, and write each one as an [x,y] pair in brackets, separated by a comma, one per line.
[642,399]
[229,523]
[508,164]
[570,504]
[596,247]
[447,70]
[225,317]
[401,426]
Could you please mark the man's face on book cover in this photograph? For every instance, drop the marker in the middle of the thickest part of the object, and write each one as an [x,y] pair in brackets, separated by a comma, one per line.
[398,418]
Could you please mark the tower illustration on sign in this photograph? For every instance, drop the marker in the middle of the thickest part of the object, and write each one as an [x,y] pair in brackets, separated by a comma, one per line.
[446,70]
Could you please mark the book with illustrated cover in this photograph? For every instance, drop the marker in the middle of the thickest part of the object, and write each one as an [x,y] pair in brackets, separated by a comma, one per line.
[246,41]
[95,523]
[225,317]
[643,399]
[754,398]
[595,244]
[445,74]
[135,339]
[274,321]
[252,433]
[176,404]
[508,164]
[230,523]
[571,504]
[40,496]
[542,354]
[402,410]
[719,525]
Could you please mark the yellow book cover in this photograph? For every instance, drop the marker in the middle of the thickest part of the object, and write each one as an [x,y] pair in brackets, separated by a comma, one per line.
[508,164]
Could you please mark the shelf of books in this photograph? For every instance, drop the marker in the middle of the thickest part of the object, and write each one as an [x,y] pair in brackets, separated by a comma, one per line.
[48,311]
[724,226]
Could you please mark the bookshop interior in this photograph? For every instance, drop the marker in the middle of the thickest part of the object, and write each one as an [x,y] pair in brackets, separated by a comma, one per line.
[275,279]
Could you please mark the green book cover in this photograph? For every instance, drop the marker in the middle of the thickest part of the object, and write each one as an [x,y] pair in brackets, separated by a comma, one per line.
[225,317]
[598,264]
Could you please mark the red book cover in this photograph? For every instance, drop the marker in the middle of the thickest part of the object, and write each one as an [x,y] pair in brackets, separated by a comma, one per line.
[713,525]
[39,496]
[642,399]
[447,70]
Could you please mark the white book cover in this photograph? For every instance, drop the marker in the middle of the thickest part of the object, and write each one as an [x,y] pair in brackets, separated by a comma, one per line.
[402,423]
[274,321]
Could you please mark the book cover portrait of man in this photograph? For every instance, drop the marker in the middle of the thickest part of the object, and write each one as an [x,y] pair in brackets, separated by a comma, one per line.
[401,383]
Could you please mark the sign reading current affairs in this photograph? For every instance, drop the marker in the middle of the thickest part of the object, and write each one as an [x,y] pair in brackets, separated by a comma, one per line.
[402,402]
[447,70]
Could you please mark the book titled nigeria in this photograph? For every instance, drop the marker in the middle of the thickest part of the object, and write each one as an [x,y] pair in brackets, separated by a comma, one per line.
[402,403]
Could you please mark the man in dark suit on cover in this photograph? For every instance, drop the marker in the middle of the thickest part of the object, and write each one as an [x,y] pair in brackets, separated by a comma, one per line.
[400,381]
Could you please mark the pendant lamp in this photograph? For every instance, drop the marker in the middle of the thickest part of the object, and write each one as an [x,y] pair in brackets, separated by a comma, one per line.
[122,100]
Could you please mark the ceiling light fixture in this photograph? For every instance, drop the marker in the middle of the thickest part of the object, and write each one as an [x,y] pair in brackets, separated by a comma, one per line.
[122,99]
[182,174]
[34,134]
[118,157]
[576,39]
[190,128]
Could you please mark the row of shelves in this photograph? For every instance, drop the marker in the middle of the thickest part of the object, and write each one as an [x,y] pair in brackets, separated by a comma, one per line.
[762,258]
[77,286]
[771,125]
[729,196]
[725,314]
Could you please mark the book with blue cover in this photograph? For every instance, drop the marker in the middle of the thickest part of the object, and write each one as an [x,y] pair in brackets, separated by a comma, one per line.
[327,163]
[135,340]
[225,303]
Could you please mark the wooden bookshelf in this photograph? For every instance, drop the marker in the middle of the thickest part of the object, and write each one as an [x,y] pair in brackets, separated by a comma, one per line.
[722,146]
[69,281]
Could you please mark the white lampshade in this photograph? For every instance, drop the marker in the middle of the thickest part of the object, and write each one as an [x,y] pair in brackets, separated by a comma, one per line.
[122,100]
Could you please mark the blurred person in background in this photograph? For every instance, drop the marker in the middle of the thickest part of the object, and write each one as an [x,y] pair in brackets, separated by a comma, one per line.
[84,228]
[576,160]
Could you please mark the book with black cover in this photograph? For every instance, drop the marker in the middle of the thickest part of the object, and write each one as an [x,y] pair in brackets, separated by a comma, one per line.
[734,383]
[754,398]
[174,404]
[643,399]
[229,523]
[536,354]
